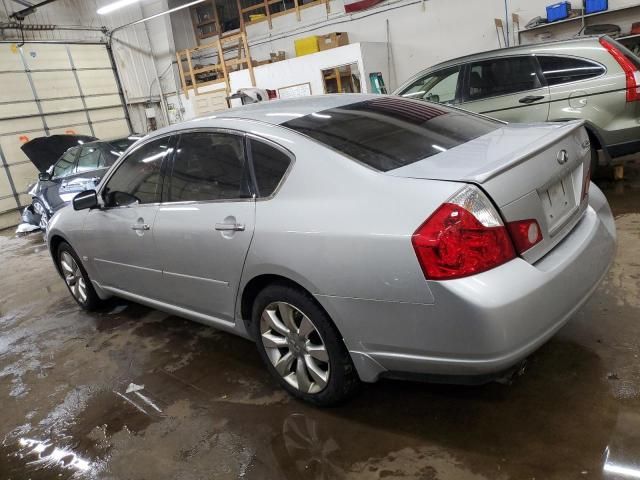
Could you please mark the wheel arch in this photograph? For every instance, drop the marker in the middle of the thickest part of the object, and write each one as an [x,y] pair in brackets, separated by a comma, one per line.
[54,243]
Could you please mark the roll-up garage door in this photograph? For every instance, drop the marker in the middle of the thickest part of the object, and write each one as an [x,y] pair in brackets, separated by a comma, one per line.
[48,89]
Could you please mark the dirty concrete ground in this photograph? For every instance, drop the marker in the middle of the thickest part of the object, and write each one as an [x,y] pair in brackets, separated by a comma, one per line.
[132,393]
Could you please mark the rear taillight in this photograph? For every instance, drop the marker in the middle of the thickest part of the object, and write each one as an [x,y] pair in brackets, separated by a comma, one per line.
[629,67]
[525,234]
[464,236]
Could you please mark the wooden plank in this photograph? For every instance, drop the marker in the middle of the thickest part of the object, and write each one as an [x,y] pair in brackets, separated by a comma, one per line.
[224,67]
[249,62]
[297,7]
[191,74]
[241,15]
[259,6]
[215,16]
[211,68]
[266,6]
[181,72]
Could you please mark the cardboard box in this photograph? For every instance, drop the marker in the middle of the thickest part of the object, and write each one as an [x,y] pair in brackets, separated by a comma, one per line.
[307,45]
[333,40]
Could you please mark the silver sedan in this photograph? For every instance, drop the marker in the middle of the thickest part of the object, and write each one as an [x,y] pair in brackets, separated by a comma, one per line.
[351,237]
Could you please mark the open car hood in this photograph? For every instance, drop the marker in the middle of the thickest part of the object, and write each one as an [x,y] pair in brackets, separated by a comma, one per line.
[45,151]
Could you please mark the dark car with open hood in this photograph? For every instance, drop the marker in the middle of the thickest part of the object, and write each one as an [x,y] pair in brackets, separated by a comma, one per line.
[67,165]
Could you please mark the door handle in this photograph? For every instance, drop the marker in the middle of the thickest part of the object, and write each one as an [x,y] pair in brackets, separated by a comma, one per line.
[531,99]
[140,226]
[230,227]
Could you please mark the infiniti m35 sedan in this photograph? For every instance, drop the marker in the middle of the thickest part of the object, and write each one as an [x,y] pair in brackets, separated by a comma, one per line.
[352,237]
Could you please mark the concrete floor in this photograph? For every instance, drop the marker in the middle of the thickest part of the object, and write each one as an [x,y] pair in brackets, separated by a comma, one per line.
[133,393]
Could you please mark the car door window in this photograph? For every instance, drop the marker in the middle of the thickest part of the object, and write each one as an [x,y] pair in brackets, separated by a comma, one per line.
[502,76]
[138,178]
[559,70]
[209,166]
[88,159]
[438,87]
[269,165]
[65,165]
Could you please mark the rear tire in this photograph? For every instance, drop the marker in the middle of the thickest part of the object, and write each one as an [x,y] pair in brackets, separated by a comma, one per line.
[76,278]
[301,347]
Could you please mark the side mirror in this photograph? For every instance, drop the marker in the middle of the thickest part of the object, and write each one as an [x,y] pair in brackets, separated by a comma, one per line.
[44,176]
[85,200]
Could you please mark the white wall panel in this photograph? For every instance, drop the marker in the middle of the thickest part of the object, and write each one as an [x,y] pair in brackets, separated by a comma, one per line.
[41,56]
[55,84]
[103,101]
[106,114]
[27,124]
[90,56]
[10,58]
[117,128]
[97,82]
[11,144]
[65,119]
[14,86]
[18,109]
[61,105]
[72,130]
[23,175]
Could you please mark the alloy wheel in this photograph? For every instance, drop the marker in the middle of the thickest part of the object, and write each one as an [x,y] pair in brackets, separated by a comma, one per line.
[73,277]
[294,347]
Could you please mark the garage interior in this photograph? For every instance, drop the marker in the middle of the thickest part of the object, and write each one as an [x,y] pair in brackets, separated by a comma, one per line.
[129,392]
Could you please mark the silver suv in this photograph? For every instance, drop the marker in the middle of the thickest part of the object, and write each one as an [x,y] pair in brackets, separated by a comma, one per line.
[595,79]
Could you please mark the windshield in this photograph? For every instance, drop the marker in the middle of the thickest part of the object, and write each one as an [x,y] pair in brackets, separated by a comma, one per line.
[388,133]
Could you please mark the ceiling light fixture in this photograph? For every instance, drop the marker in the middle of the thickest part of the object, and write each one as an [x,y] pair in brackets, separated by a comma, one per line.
[115,6]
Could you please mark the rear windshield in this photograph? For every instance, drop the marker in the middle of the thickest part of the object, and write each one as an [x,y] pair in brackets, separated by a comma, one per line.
[388,133]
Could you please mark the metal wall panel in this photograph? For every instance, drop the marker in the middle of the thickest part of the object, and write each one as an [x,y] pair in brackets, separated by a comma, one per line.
[50,89]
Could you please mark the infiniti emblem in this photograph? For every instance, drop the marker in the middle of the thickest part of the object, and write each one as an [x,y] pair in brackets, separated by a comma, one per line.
[563,157]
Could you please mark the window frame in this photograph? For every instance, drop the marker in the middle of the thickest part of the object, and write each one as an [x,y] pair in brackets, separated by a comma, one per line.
[123,158]
[457,100]
[573,57]
[467,77]
[277,146]
[170,165]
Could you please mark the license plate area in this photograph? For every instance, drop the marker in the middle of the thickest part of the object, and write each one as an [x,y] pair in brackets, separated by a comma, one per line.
[559,203]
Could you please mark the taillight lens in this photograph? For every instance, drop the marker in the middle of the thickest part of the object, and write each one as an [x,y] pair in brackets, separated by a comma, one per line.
[464,236]
[629,67]
[525,234]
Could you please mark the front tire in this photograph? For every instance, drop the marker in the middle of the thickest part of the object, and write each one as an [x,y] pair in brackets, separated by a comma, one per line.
[76,278]
[301,347]
[40,209]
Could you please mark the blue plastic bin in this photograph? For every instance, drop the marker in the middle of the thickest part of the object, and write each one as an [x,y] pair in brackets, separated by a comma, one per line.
[594,6]
[558,11]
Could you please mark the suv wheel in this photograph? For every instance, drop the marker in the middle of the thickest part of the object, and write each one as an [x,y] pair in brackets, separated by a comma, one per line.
[301,347]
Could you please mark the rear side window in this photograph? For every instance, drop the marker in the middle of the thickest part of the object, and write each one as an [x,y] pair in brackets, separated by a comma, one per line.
[502,76]
[558,70]
[390,132]
[89,159]
[209,166]
[269,165]
[439,87]
[138,178]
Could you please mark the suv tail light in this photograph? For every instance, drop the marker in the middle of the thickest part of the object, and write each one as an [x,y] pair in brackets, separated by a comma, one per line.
[629,66]
[464,236]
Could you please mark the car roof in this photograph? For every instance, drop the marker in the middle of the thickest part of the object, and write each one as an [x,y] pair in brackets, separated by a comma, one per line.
[519,49]
[274,112]
[114,139]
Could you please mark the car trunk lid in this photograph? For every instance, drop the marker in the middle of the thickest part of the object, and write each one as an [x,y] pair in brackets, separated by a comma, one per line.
[530,172]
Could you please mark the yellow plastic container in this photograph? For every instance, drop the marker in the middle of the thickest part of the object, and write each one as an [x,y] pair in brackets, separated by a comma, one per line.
[257,16]
[306,45]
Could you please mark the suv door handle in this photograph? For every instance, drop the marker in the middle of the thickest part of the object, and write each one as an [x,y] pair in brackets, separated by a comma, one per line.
[140,226]
[230,227]
[531,99]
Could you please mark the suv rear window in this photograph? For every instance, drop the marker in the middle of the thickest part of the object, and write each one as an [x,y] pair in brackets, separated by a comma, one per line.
[388,133]
[558,70]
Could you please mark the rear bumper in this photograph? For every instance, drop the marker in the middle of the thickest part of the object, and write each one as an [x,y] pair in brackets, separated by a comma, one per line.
[486,323]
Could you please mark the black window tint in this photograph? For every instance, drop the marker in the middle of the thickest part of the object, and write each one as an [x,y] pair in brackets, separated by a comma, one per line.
[209,166]
[557,70]
[88,159]
[65,165]
[270,165]
[502,76]
[437,87]
[390,132]
[138,178]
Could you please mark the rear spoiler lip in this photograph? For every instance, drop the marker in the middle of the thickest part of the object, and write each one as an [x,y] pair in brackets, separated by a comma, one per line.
[563,131]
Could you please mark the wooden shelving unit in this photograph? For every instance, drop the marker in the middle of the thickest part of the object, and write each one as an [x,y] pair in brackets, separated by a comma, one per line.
[230,53]
[266,10]
[206,20]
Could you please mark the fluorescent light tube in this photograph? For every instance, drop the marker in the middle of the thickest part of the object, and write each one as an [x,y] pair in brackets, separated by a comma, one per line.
[115,6]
